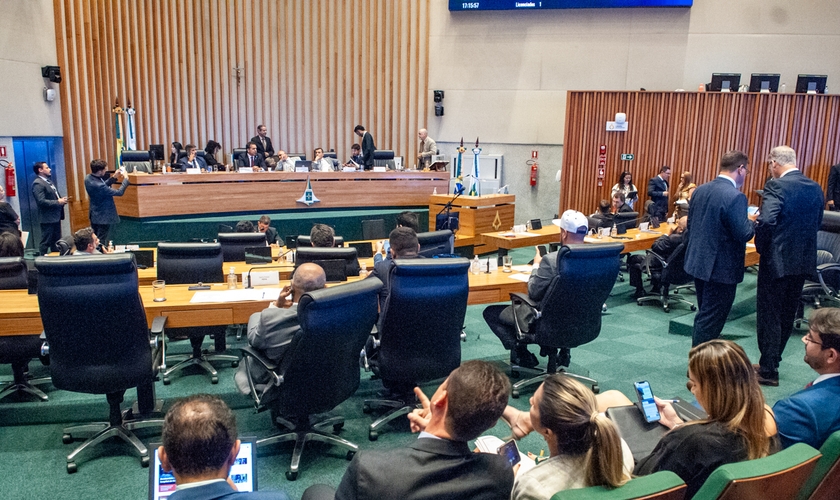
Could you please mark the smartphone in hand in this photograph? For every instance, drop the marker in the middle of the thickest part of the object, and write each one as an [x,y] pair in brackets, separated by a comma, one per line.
[648,405]
[510,451]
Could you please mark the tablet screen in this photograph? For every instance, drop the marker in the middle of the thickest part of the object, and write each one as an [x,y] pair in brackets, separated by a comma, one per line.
[243,473]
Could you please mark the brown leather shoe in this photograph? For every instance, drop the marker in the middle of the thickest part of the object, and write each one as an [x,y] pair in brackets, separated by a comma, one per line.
[772,382]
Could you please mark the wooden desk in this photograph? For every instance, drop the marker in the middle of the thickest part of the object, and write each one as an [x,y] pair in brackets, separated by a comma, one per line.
[160,195]
[477,215]
[20,314]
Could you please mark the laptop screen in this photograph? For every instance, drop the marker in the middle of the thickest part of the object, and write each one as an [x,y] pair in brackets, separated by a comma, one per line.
[243,473]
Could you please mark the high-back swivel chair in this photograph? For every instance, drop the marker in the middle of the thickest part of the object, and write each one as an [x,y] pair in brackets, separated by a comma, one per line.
[320,369]
[825,282]
[189,263]
[419,334]
[96,349]
[569,314]
[234,244]
[304,240]
[17,350]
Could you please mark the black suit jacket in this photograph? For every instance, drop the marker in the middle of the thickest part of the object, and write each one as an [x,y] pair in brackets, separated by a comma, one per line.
[718,233]
[368,147]
[47,199]
[427,469]
[260,150]
[833,191]
[102,209]
[242,161]
[786,234]
[271,236]
[656,188]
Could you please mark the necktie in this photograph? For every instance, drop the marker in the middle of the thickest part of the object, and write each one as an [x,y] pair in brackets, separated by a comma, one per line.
[263,142]
[252,160]
[809,384]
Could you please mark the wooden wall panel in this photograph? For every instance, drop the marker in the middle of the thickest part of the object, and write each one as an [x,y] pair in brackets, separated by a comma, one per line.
[310,70]
[690,131]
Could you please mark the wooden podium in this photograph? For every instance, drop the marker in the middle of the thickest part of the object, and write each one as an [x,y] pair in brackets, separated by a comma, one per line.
[477,215]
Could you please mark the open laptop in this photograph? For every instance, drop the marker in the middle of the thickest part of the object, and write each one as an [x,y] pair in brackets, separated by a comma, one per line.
[303,166]
[243,473]
[258,255]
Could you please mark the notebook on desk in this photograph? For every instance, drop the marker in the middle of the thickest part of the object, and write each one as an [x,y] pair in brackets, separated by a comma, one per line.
[243,473]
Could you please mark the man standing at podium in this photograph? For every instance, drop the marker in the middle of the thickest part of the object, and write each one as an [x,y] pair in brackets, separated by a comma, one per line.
[427,149]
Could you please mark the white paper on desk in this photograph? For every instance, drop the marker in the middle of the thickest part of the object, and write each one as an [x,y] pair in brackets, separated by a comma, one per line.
[751,245]
[262,278]
[516,235]
[522,268]
[520,277]
[243,295]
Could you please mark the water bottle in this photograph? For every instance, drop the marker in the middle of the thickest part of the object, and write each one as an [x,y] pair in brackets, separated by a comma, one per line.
[614,231]
[475,267]
[231,279]
[435,191]
[110,247]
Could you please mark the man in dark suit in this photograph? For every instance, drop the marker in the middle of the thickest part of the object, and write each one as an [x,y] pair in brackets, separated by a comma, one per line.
[200,446]
[716,244]
[271,331]
[810,415]
[251,158]
[439,464]
[664,246]
[786,239]
[191,160]
[102,211]
[264,147]
[368,147]
[658,193]
[832,194]
[50,207]
[272,237]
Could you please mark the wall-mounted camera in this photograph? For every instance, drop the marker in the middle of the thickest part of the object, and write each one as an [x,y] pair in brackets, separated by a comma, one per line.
[53,73]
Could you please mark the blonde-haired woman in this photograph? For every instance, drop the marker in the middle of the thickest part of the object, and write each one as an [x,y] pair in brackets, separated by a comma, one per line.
[584,446]
[684,191]
[739,424]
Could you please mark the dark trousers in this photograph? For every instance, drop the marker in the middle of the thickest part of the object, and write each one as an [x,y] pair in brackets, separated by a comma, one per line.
[50,234]
[714,301]
[776,302]
[501,321]
[635,265]
[101,231]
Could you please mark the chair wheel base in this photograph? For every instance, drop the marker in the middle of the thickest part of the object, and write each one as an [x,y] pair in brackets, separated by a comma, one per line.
[67,439]
[214,380]
[366,409]
[514,374]
[514,394]
[144,461]
[234,364]
[694,308]
[373,435]
[596,389]
[337,427]
[71,467]
[666,309]
[291,475]
[350,455]
[166,381]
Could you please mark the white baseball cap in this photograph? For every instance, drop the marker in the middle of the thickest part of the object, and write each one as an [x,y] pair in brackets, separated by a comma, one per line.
[573,222]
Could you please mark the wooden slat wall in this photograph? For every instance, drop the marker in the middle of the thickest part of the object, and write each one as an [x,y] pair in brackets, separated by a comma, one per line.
[310,71]
[690,131]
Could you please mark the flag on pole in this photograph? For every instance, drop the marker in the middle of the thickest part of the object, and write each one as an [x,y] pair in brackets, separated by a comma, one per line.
[118,131]
[130,135]
[475,184]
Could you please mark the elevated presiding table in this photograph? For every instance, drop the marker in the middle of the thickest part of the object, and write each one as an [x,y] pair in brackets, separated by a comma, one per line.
[167,195]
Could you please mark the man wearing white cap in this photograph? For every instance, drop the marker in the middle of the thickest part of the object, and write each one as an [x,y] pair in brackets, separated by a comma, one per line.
[500,319]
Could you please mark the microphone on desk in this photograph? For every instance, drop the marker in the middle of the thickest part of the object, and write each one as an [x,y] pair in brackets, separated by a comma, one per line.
[258,267]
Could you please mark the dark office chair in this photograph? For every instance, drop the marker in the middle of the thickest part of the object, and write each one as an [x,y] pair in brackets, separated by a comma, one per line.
[671,272]
[17,350]
[189,263]
[234,244]
[320,369]
[436,243]
[825,283]
[373,229]
[419,333]
[235,154]
[304,241]
[570,313]
[136,161]
[96,350]
[224,228]
[64,246]
[384,158]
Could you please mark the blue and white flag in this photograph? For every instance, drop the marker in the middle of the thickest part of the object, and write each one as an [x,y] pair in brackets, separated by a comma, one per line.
[130,134]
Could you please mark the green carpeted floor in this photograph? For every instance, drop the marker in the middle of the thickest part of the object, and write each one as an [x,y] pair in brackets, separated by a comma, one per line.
[636,343]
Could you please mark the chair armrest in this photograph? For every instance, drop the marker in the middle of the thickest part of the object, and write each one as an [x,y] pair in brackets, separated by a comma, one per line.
[523,297]
[828,268]
[158,325]
[249,356]
[651,253]
[258,357]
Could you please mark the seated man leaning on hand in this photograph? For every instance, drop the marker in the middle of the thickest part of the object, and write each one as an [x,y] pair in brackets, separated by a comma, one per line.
[573,228]
[439,464]
[664,246]
[271,330]
[199,448]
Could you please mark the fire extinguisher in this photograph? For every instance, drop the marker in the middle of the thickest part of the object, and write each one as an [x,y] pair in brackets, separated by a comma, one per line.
[534,168]
[10,179]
